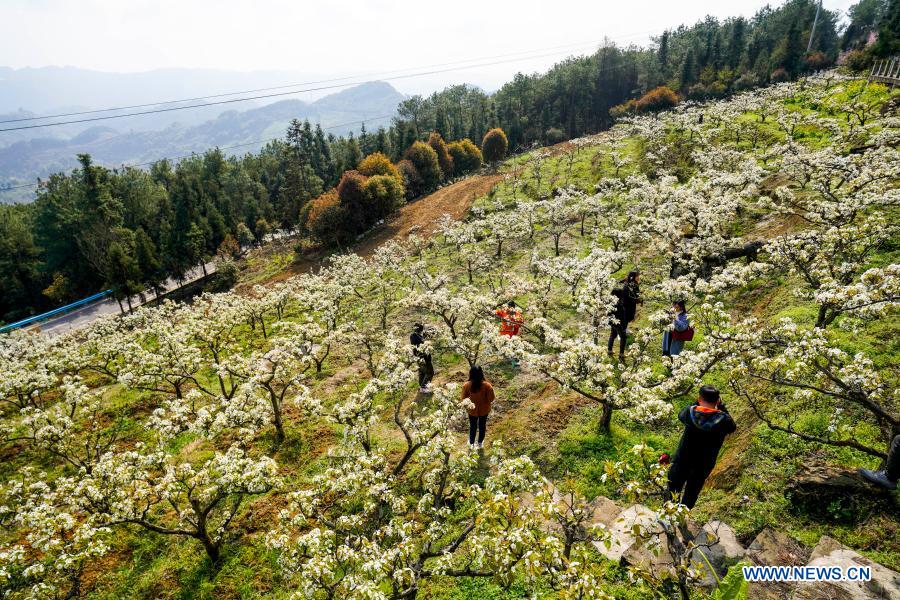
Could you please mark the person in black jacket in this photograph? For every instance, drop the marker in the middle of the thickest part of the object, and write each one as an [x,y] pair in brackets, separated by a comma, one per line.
[706,424]
[629,296]
[426,369]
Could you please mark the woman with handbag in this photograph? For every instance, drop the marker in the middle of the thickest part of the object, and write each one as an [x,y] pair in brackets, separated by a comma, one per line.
[681,332]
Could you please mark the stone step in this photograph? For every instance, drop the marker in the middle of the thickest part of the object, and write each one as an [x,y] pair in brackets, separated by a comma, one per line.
[716,545]
[884,585]
[772,547]
[621,531]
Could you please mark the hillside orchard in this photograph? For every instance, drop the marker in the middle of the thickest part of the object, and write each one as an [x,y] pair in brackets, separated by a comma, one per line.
[280,429]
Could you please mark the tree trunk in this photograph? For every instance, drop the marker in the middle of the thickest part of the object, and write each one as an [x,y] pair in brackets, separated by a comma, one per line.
[203,266]
[606,417]
[121,308]
[212,550]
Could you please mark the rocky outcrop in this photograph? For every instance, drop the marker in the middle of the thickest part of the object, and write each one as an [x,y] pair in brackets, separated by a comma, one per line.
[637,537]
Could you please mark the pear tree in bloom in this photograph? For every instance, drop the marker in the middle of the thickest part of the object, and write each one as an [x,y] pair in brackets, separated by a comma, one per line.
[148,488]
[56,542]
[786,370]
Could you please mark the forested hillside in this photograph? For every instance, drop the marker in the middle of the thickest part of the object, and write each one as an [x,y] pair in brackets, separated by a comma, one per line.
[276,442]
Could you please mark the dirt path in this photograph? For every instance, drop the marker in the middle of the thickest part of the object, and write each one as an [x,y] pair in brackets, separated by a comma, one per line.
[424,213]
[421,214]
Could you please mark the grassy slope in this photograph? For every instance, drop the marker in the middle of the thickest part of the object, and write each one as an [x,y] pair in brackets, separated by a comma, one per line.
[558,430]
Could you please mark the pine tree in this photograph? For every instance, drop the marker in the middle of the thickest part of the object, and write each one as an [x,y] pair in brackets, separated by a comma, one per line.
[792,50]
[662,55]
[688,69]
[736,43]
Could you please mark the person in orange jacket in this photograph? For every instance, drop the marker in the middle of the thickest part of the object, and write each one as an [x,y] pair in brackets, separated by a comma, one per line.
[510,319]
[480,393]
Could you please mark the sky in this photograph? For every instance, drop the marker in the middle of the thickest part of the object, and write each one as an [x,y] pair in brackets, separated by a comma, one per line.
[331,38]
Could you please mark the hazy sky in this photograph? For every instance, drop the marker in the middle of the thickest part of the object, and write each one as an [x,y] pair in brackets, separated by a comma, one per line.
[335,37]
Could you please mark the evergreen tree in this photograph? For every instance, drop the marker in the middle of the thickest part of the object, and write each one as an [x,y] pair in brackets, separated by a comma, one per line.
[888,43]
[688,69]
[736,43]
[662,55]
[148,263]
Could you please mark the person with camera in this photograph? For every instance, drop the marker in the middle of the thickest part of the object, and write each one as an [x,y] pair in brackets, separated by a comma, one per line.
[706,424]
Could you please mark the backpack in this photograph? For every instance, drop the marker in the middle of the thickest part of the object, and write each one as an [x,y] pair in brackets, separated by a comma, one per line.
[683,336]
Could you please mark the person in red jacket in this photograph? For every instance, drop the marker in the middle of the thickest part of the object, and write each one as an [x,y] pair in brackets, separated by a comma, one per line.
[481,394]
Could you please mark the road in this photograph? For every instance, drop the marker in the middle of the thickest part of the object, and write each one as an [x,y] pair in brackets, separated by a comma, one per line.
[86,314]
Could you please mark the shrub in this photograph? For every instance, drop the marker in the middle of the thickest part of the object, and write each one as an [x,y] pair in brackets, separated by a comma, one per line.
[746,81]
[327,219]
[352,195]
[425,159]
[717,89]
[466,156]
[816,61]
[857,60]
[385,194]
[660,98]
[494,145]
[226,276]
[554,135]
[412,181]
[229,248]
[261,229]
[378,164]
[440,148]
[621,110]
[779,75]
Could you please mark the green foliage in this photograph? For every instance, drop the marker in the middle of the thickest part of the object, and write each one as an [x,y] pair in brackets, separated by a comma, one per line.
[378,164]
[494,145]
[888,43]
[425,160]
[385,194]
[733,586]
[445,161]
[466,156]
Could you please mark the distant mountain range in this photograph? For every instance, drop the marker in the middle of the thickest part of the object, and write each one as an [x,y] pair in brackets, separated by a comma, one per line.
[31,153]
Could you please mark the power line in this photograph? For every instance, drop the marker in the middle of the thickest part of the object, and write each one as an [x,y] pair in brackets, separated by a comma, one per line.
[279,87]
[258,97]
[242,145]
[292,85]
[612,68]
[287,93]
[28,185]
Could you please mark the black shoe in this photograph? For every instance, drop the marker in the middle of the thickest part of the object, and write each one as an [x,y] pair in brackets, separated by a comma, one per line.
[879,478]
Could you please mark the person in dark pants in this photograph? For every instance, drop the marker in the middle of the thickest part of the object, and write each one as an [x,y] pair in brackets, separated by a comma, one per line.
[629,296]
[426,369]
[706,424]
[481,395]
[888,476]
